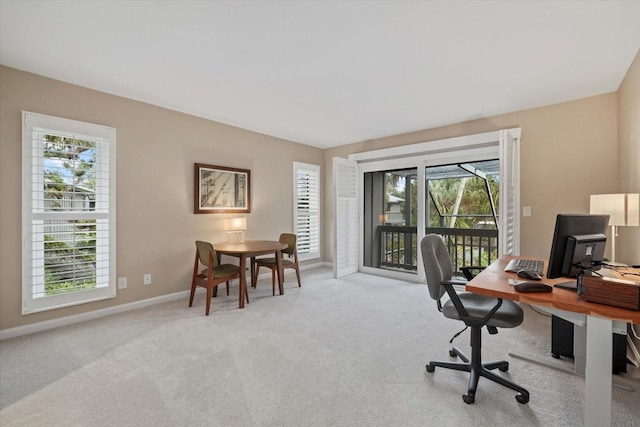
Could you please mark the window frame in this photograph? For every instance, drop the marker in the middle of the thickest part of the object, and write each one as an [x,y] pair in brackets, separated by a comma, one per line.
[33,216]
[503,145]
[314,251]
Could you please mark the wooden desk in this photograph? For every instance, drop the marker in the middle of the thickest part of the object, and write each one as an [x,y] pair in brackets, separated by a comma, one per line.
[494,281]
[251,249]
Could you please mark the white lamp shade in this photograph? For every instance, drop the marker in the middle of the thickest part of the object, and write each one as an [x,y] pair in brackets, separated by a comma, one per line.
[235,224]
[623,209]
[633,209]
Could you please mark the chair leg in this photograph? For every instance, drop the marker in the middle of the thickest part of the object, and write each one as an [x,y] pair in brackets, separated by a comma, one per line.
[193,292]
[254,282]
[273,281]
[227,288]
[298,276]
[477,369]
[209,292]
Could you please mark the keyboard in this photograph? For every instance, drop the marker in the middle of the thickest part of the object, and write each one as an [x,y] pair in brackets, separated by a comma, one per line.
[516,265]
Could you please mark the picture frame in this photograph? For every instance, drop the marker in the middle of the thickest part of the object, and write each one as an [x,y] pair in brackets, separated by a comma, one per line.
[221,189]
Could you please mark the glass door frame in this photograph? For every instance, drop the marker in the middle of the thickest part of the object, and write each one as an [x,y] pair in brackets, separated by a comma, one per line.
[477,147]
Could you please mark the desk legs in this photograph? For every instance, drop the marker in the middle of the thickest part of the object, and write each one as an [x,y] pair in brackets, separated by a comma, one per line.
[598,372]
[579,348]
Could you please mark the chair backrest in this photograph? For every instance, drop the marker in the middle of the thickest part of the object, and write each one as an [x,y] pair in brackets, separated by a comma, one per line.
[204,249]
[290,240]
[437,264]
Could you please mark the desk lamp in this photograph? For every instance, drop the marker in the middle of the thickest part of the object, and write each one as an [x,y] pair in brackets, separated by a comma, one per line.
[235,229]
[623,210]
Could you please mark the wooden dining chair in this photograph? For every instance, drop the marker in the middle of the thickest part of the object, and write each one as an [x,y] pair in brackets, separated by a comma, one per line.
[213,275]
[291,261]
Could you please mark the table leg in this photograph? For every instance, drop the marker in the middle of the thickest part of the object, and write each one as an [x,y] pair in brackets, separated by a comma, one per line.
[280,272]
[243,279]
[598,372]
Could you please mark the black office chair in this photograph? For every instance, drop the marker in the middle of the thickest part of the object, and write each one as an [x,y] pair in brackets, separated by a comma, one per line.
[475,311]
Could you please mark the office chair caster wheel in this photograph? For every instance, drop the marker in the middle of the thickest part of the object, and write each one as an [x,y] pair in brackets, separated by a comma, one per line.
[468,399]
[521,398]
[504,368]
[430,368]
[452,353]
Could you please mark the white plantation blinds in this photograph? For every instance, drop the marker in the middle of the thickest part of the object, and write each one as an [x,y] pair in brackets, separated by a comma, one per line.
[509,193]
[68,212]
[346,239]
[307,209]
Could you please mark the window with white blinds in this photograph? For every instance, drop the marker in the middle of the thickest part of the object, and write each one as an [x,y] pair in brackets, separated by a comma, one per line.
[306,209]
[68,207]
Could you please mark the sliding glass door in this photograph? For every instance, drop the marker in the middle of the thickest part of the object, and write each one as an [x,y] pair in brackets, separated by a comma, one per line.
[465,189]
[462,206]
[390,219]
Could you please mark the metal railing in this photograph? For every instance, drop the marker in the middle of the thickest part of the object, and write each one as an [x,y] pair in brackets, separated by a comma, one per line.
[466,246]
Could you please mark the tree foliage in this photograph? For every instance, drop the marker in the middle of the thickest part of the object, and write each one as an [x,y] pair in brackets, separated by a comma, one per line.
[77,169]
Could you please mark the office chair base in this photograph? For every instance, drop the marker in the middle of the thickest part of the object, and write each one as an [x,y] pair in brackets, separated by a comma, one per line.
[477,370]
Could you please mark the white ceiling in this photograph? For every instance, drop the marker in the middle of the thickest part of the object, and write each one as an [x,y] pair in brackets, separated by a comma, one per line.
[332,72]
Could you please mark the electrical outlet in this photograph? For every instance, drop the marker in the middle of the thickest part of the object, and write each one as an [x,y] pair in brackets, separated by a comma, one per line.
[147,279]
[122,283]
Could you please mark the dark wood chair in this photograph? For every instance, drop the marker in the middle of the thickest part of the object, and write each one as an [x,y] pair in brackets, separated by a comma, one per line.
[291,261]
[213,275]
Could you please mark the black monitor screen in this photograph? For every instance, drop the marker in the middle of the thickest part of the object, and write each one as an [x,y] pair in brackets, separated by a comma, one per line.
[572,225]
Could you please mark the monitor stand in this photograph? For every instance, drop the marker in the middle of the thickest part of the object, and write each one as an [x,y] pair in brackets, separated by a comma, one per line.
[571,285]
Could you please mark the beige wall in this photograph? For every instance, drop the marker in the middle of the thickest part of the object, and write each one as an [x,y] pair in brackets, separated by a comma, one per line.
[628,241]
[568,151]
[156,150]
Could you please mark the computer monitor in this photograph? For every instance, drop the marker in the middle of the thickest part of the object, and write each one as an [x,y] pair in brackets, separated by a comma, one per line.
[584,253]
[584,236]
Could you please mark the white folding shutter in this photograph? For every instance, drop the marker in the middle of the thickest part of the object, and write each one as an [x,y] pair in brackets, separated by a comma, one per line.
[306,209]
[346,239]
[509,229]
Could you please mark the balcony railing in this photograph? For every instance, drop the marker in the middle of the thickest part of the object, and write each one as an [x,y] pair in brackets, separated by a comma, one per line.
[467,247]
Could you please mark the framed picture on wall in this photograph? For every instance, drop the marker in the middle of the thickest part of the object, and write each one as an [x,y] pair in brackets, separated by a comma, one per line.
[219,189]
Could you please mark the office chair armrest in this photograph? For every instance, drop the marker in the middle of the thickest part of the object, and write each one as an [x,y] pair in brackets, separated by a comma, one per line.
[456,282]
[462,312]
[490,314]
[453,296]
[467,271]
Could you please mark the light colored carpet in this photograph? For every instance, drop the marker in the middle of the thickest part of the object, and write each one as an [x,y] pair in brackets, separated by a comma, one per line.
[336,352]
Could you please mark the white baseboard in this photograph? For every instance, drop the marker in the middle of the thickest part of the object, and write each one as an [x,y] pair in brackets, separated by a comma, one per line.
[83,317]
[96,314]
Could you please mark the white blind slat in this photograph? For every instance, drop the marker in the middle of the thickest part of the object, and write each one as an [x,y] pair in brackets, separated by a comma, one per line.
[306,209]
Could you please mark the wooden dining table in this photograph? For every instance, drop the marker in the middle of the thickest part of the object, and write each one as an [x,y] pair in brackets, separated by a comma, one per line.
[251,249]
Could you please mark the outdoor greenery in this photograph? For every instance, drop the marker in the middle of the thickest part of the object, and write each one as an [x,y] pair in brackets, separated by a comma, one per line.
[70,246]
[457,202]
[474,209]
[70,166]
[69,268]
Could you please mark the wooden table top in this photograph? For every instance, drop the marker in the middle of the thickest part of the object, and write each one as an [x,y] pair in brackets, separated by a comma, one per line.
[494,281]
[249,247]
